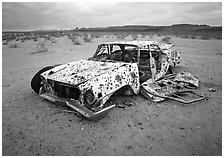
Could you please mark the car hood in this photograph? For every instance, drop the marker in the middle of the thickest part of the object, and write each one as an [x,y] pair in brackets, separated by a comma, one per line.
[78,72]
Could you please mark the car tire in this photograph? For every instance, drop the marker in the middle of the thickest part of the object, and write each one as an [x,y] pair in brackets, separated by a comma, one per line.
[36,80]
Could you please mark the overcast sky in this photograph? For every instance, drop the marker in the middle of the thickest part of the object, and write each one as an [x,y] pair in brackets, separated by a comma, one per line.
[68,15]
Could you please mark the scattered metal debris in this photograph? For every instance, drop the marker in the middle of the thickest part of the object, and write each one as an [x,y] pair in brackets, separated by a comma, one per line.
[70,111]
[129,103]
[212,90]
[121,106]
[128,146]
[175,88]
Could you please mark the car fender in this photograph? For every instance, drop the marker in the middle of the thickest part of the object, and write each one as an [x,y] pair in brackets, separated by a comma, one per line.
[110,82]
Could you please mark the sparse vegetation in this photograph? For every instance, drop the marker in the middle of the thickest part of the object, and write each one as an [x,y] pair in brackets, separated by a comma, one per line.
[41,47]
[205,37]
[5,43]
[143,35]
[53,40]
[74,38]
[13,45]
[87,38]
[166,40]
[96,35]
[134,37]
[76,42]
[121,36]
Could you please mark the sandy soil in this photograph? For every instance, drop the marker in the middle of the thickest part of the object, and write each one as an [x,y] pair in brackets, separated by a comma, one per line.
[32,126]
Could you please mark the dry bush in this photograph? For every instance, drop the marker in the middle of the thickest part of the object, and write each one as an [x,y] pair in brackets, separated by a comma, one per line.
[87,38]
[193,37]
[13,45]
[184,36]
[134,37]
[74,38]
[166,40]
[96,35]
[143,35]
[41,47]
[53,40]
[76,42]
[121,36]
[205,37]
[5,43]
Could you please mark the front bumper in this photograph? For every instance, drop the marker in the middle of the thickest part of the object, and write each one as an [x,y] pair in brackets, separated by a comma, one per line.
[77,107]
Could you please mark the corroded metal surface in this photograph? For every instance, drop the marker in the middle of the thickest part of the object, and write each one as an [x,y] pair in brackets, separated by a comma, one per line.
[111,81]
[101,78]
[167,87]
[187,77]
[80,71]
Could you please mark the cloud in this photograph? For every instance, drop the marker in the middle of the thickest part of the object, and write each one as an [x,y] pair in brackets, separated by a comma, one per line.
[33,15]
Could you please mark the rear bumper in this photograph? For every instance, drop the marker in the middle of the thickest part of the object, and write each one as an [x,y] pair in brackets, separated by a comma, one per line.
[77,107]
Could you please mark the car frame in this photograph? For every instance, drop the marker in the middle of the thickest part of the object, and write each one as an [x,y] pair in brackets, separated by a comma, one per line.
[86,85]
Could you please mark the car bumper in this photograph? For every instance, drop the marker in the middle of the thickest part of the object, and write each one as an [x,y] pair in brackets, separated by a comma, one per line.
[78,107]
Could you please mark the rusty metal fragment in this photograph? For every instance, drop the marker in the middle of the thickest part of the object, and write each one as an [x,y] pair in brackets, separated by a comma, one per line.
[188,78]
[172,88]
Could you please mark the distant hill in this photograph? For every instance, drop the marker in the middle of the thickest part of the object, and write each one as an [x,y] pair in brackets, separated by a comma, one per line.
[176,29]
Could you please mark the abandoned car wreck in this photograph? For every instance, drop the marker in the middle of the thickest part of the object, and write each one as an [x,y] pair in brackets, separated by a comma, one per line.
[131,66]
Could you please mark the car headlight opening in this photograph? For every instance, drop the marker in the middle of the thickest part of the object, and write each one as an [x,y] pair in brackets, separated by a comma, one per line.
[89,97]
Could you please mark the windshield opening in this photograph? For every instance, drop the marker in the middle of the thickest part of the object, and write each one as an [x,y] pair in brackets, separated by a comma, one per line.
[117,52]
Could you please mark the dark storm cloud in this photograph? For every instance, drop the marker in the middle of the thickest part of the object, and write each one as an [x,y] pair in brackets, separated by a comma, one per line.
[32,16]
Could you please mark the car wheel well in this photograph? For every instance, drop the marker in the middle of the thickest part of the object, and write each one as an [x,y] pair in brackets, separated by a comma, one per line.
[125,90]
[36,80]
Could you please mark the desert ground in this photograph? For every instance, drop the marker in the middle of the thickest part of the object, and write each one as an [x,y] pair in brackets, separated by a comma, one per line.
[32,126]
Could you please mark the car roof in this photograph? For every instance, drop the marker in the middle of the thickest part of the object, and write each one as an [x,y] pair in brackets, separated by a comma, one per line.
[135,43]
[143,44]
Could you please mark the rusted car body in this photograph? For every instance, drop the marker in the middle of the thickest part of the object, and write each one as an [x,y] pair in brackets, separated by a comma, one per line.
[86,85]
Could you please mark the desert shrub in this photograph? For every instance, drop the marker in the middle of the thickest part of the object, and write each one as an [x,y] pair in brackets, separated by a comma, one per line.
[166,40]
[53,40]
[192,37]
[184,36]
[121,36]
[87,38]
[41,47]
[72,36]
[76,42]
[143,35]
[5,43]
[77,34]
[96,35]
[13,45]
[134,37]
[205,37]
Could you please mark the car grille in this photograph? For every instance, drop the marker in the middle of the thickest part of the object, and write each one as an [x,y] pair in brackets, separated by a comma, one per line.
[63,90]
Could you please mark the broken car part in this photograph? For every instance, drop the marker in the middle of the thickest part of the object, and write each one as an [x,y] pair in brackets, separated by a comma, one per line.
[175,88]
